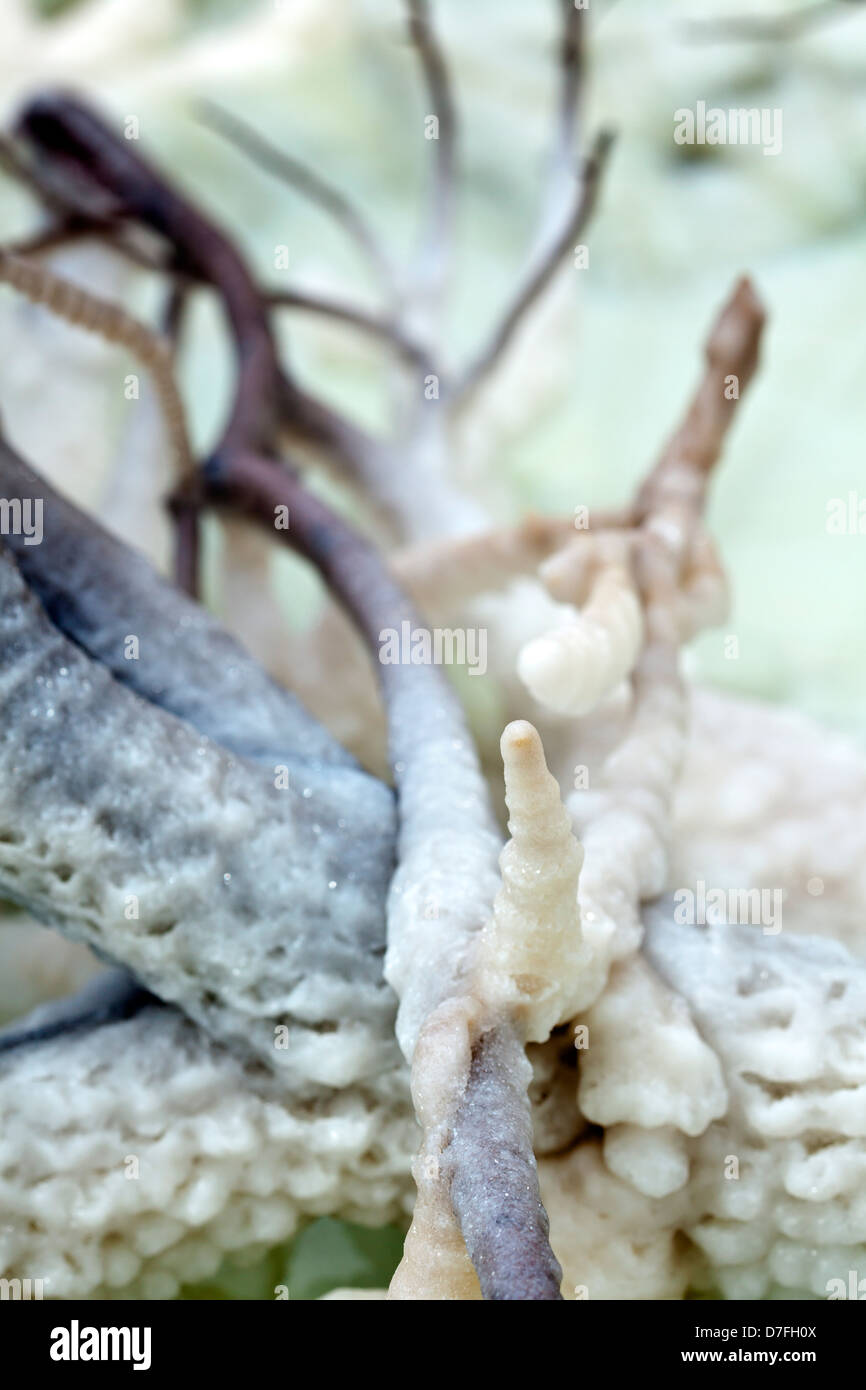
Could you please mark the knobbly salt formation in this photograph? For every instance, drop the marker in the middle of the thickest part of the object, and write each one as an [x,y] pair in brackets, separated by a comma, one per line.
[299,944]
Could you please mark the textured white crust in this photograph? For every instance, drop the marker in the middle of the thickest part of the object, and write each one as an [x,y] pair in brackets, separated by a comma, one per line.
[137,1156]
[780,1020]
[254,909]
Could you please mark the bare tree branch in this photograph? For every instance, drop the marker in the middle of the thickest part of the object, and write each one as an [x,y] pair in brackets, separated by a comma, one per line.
[438,231]
[301,177]
[375,325]
[774,27]
[566,143]
[266,399]
[680,476]
[540,272]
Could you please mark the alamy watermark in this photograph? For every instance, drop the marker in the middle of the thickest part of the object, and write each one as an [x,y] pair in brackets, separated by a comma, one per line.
[77,1343]
[22,1289]
[22,516]
[756,907]
[854,1288]
[421,646]
[846,516]
[737,126]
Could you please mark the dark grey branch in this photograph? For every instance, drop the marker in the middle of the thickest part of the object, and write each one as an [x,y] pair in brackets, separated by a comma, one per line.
[494,1177]
[219,888]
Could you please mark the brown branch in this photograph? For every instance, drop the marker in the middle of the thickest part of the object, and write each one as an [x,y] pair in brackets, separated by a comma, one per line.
[540,272]
[75,142]
[68,134]
[66,231]
[374,325]
[680,476]
[301,177]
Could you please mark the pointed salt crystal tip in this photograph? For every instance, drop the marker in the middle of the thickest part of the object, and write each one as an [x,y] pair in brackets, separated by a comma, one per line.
[519,737]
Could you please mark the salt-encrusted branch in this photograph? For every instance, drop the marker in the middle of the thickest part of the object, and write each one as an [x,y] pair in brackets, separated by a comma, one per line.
[101,593]
[301,177]
[540,271]
[529,972]
[442,791]
[573,667]
[504,1224]
[532,964]
[124,827]
[108,321]
[440,898]
[442,574]
[677,483]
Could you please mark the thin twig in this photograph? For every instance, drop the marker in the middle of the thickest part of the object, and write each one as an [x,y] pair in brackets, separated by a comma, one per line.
[301,177]
[540,272]
[679,478]
[112,323]
[375,325]
[438,231]
[68,231]
[266,399]
[566,144]
[777,27]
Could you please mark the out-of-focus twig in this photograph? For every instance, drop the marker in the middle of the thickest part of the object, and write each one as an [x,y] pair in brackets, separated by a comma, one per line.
[564,154]
[679,478]
[301,177]
[737,27]
[540,272]
[87,152]
[376,326]
[438,230]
